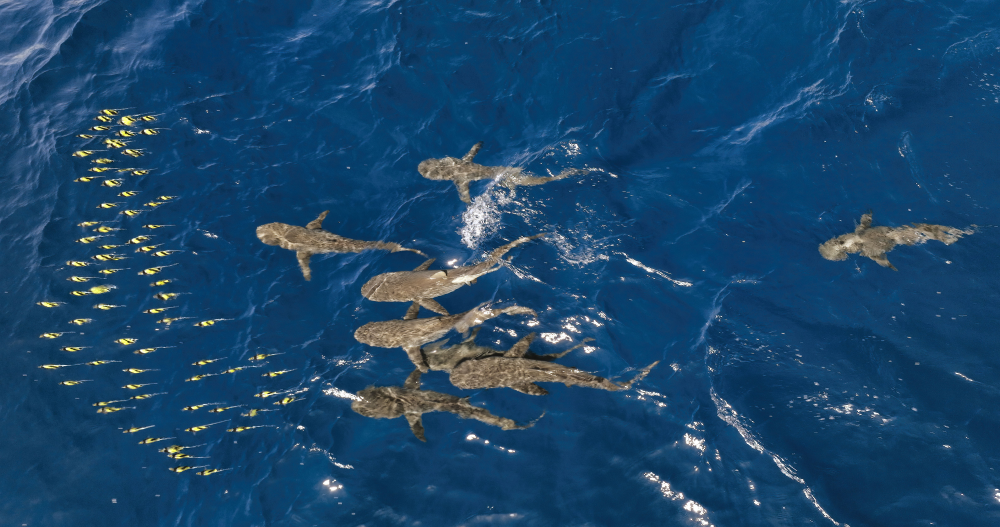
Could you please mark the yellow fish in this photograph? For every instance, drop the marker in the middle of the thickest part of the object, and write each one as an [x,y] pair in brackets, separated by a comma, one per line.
[198,406]
[106,229]
[132,212]
[206,323]
[254,411]
[222,409]
[136,370]
[126,341]
[146,396]
[86,179]
[105,307]
[156,226]
[89,239]
[101,289]
[134,152]
[210,471]
[47,303]
[115,143]
[149,440]
[74,383]
[112,111]
[79,293]
[150,131]
[138,239]
[166,198]
[109,205]
[109,271]
[100,128]
[181,455]
[128,120]
[200,377]
[150,118]
[136,429]
[147,248]
[173,449]
[112,183]
[51,335]
[103,161]
[286,400]
[139,172]
[83,153]
[104,118]
[109,247]
[81,278]
[275,373]
[85,136]
[265,394]
[154,270]
[76,263]
[105,403]
[169,321]
[157,310]
[87,224]
[81,321]
[245,428]
[73,349]
[108,257]
[100,169]
[137,386]
[262,356]
[112,409]
[127,133]
[153,204]
[145,351]
[159,283]
[101,362]
[165,253]
[55,366]
[199,428]
[129,193]
[165,296]
[182,469]
[233,370]
[203,362]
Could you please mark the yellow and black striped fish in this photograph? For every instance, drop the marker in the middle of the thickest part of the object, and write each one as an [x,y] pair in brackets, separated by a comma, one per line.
[74,383]
[49,303]
[112,183]
[154,270]
[106,307]
[149,440]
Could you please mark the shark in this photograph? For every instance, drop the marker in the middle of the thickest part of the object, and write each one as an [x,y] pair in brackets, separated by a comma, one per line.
[463,171]
[875,242]
[312,239]
[441,358]
[411,332]
[408,400]
[422,285]
[519,370]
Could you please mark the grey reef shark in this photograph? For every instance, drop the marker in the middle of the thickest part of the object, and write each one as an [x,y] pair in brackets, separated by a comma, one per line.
[874,242]
[312,239]
[390,402]
[464,171]
[422,285]
[411,332]
[477,367]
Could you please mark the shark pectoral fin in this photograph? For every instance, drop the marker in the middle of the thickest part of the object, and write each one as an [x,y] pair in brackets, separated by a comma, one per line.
[416,357]
[417,426]
[883,260]
[318,222]
[530,388]
[472,336]
[642,375]
[866,222]
[304,257]
[472,153]
[425,265]
[463,191]
[412,312]
[561,354]
[434,346]
[520,347]
[413,381]
[432,305]
[474,280]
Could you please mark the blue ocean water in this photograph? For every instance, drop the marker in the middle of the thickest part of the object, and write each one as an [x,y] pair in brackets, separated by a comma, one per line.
[727,141]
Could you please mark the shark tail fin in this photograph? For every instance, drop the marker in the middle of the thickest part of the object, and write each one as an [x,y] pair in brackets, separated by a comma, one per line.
[498,253]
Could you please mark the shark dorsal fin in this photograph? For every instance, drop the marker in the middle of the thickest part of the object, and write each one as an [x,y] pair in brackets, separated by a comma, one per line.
[472,153]
[318,222]
[440,274]
[413,381]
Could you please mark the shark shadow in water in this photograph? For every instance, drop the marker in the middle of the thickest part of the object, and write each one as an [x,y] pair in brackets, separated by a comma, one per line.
[422,286]
[411,332]
[463,171]
[874,242]
[389,402]
[312,239]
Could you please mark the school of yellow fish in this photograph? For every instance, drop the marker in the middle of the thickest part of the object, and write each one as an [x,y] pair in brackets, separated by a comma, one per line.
[112,166]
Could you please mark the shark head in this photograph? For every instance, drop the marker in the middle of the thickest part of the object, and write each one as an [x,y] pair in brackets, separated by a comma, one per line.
[371,286]
[437,168]
[272,233]
[837,248]
[378,402]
